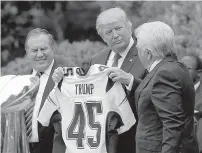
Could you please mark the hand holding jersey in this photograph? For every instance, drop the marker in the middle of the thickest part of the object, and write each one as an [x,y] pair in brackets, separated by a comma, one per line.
[86,103]
[118,75]
[58,75]
[115,73]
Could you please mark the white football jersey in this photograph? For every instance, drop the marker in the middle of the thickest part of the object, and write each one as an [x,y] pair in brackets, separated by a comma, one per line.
[84,103]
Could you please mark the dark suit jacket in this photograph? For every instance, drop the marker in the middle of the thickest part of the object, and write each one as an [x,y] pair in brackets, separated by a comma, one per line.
[165,106]
[198,106]
[132,65]
[50,138]
[198,98]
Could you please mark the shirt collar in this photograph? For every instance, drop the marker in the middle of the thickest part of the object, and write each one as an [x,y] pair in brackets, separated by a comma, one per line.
[196,85]
[125,52]
[154,64]
[47,71]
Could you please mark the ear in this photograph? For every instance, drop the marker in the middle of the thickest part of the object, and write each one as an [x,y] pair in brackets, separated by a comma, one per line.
[100,33]
[26,54]
[103,38]
[149,54]
[54,47]
[130,24]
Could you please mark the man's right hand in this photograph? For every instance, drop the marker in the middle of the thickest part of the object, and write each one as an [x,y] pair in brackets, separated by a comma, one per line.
[58,75]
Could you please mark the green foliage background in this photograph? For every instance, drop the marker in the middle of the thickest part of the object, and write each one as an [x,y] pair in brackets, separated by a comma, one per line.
[73,25]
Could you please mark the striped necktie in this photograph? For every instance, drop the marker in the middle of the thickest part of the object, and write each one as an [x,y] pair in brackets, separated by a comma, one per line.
[29,113]
[116,59]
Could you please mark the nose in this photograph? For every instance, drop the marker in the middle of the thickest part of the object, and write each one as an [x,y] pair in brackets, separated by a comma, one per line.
[115,34]
[39,53]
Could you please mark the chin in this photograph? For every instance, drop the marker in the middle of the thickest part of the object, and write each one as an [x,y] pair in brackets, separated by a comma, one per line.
[120,46]
[42,67]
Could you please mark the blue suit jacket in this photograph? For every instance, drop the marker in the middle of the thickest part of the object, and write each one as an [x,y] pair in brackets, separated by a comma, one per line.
[165,106]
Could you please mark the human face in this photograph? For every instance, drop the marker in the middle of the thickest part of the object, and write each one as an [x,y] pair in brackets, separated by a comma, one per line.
[39,52]
[143,55]
[117,35]
[191,64]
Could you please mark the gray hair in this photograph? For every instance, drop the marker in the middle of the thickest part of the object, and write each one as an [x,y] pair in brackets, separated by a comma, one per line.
[108,15]
[38,31]
[156,36]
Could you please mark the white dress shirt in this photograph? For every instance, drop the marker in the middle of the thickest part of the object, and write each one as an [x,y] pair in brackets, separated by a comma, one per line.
[154,64]
[196,85]
[43,81]
[120,61]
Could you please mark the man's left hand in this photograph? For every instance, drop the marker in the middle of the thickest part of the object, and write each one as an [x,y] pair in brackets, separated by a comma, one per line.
[116,74]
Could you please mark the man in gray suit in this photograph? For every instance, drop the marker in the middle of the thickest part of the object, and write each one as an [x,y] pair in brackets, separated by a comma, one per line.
[165,98]
[40,48]
[194,65]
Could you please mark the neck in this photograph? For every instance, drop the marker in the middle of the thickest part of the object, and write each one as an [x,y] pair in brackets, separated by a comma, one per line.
[152,61]
[119,50]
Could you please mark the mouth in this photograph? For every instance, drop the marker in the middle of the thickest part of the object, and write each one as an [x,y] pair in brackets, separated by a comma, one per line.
[41,61]
[117,42]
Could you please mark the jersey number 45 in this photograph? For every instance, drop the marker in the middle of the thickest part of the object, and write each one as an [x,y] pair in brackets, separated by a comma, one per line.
[79,121]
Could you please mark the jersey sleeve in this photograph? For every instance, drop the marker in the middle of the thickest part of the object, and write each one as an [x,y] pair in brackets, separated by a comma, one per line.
[49,107]
[123,108]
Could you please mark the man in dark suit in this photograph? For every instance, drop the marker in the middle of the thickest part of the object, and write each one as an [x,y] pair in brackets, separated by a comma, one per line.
[115,29]
[40,47]
[198,108]
[165,98]
[194,65]
[121,55]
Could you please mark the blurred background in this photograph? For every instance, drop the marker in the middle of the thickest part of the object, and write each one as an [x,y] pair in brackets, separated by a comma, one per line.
[72,24]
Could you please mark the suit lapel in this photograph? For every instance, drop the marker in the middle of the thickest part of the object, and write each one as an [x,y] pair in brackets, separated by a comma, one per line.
[130,59]
[198,95]
[102,59]
[49,86]
[150,75]
[198,90]
[146,81]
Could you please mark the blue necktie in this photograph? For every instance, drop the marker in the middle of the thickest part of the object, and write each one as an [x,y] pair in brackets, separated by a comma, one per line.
[116,59]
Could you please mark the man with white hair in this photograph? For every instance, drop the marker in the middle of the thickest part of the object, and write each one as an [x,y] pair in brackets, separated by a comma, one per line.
[165,98]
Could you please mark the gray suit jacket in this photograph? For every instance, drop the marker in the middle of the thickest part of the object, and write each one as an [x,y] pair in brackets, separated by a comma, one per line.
[165,106]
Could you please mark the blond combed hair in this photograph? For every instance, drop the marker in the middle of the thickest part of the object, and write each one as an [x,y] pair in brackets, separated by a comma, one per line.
[110,16]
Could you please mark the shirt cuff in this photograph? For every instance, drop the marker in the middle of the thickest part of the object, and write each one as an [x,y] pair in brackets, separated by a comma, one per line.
[129,87]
